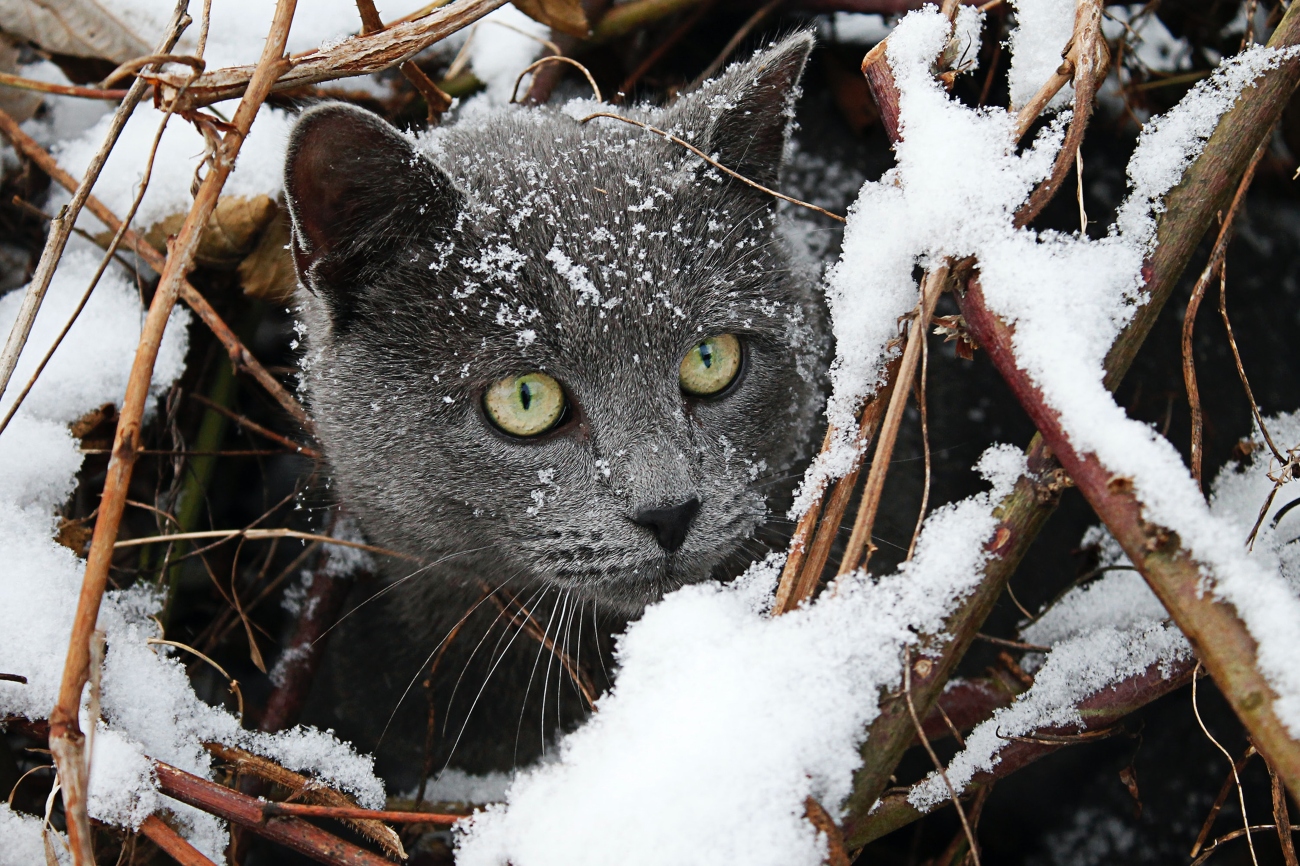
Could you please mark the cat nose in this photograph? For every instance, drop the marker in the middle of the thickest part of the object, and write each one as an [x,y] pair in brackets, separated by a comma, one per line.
[669,523]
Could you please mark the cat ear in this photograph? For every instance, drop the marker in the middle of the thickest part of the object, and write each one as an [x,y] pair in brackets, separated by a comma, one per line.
[742,118]
[357,191]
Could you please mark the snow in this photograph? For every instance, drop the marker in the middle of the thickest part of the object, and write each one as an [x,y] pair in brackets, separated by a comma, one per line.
[954,192]
[1044,29]
[855,28]
[239,27]
[23,845]
[148,706]
[1115,627]
[498,52]
[258,171]
[724,719]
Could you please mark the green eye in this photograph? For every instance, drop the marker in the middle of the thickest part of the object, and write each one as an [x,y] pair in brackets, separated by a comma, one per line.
[526,405]
[710,366]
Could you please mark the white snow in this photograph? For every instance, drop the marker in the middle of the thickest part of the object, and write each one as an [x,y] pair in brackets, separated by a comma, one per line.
[258,171]
[239,27]
[499,51]
[1043,29]
[1115,627]
[23,845]
[148,705]
[724,719]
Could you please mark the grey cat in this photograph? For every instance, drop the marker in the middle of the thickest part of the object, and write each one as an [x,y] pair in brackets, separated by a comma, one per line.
[562,362]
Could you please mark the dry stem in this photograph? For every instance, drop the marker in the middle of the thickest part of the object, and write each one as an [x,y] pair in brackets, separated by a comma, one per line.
[66,739]
[857,553]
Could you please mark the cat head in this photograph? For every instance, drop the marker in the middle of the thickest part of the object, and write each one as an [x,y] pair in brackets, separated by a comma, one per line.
[555,352]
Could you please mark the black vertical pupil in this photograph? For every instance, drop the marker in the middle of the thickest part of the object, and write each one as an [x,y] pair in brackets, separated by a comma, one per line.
[706,355]
[525,395]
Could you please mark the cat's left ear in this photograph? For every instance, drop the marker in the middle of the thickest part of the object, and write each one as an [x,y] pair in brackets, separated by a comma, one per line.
[358,193]
[742,118]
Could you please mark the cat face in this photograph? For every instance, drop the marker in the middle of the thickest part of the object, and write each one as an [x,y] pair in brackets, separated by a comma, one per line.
[556,352]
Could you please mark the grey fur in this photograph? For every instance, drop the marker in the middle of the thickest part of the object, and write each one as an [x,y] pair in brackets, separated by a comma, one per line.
[430,271]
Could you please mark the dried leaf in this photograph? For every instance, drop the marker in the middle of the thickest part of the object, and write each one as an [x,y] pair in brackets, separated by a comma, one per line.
[566,16]
[267,272]
[81,28]
[230,234]
[21,105]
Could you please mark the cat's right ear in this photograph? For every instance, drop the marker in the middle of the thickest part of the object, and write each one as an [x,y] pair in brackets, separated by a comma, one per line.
[358,192]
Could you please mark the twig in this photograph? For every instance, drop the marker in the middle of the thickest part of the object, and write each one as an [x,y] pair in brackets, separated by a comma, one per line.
[172,843]
[1214,264]
[648,62]
[293,833]
[808,552]
[938,765]
[61,225]
[1236,776]
[1224,790]
[389,816]
[925,441]
[261,534]
[234,683]
[254,427]
[435,100]
[711,161]
[360,55]
[1282,819]
[1088,59]
[556,58]
[17,81]
[857,553]
[66,739]
[109,252]
[308,790]
[1237,834]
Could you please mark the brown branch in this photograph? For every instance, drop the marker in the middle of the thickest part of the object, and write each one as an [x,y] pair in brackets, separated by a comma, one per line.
[1214,265]
[249,812]
[309,791]
[66,739]
[806,559]
[254,427]
[1089,61]
[1282,819]
[435,100]
[360,55]
[302,810]
[172,843]
[20,83]
[857,553]
[1219,637]
[239,354]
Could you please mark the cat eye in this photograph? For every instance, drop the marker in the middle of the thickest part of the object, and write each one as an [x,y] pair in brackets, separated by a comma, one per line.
[710,366]
[527,405]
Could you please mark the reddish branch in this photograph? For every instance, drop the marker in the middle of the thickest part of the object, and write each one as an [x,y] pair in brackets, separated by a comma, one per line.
[320,611]
[1099,712]
[172,843]
[251,813]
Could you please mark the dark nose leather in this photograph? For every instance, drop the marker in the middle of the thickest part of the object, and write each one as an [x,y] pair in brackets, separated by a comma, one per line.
[669,523]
